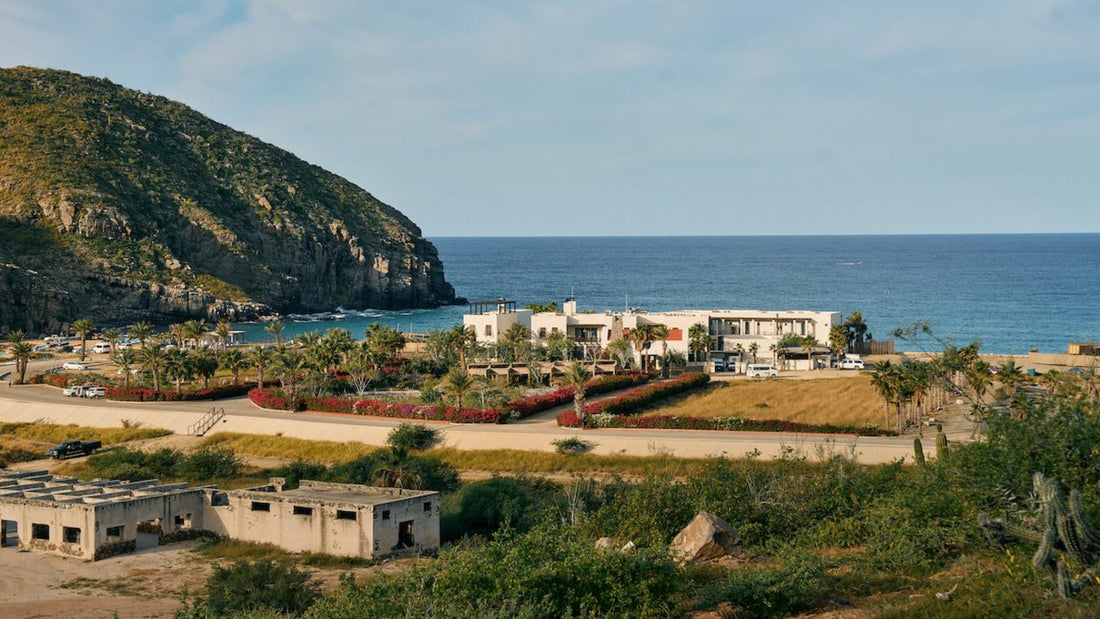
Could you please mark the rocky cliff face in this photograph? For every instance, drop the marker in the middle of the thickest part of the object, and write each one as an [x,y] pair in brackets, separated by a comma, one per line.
[118,205]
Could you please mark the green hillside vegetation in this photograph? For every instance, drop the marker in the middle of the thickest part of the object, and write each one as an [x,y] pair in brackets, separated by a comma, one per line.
[126,184]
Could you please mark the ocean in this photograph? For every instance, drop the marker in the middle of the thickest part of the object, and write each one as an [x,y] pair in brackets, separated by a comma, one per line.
[1012,292]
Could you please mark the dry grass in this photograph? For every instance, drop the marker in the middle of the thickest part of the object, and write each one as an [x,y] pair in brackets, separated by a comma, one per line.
[288,448]
[53,434]
[514,461]
[850,401]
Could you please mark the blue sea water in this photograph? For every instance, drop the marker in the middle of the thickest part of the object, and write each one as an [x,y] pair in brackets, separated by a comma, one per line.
[1011,292]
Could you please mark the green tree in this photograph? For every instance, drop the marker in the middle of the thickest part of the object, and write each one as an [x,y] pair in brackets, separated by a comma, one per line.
[838,338]
[22,351]
[142,332]
[125,359]
[234,361]
[260,358]
[540,308]
[83,327]
[577,378]
[111,336]
[222,330]
[275,330]
[700,341]
[620,349]
[205,364]
[291,366]
[884,379]
[457,382]
[643,336]
[383,344]
[513,338]
[195,330]
[177,366]
[558,346]
[857,329]
[153,357]
[180,333]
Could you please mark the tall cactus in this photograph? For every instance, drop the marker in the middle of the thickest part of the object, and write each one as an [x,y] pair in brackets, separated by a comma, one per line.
[941,445]
[1065,536]
[918,452]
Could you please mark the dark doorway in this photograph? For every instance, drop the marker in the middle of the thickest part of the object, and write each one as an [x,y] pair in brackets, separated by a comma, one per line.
[405,534]
[9,533]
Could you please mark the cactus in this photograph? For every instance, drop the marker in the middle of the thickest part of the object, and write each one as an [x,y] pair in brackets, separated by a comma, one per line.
[941,445]
[918,452]
[1065,536]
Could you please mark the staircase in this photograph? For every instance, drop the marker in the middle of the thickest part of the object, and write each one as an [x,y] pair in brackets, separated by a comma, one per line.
[202,426]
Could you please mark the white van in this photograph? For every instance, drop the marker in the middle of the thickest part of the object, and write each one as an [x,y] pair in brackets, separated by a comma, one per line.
[101,348]
[761,370]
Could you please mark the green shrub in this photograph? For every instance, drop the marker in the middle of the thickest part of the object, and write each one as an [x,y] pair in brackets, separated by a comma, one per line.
[795,582]
[263,585]
[208,464]
[486,506]
[412,437]
[572,445]
[134,465]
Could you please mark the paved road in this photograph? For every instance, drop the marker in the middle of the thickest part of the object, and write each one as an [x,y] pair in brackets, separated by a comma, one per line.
[43,403]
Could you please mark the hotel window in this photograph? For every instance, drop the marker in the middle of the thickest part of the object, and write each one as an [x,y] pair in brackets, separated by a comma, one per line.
[488,330]
[542,332]
[748,327]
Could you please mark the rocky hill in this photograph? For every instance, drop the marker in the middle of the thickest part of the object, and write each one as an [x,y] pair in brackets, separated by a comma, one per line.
[120,205]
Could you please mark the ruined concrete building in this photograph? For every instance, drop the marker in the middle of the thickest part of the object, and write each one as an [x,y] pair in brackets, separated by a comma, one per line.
[101,518]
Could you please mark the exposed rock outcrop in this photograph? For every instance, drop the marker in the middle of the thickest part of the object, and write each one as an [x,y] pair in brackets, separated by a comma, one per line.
[705,538]
[117,205]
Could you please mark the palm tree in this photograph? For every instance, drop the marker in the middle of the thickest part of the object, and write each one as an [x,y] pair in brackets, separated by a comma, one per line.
[82,328]
[457,381]
[195,330]
[111,336]
[808,344]
[701,342]
[512,338]
[576,378]
[619,348]
[753,349]
[222,330]
[141,331]
[462,338]
[857,329]
[383,344]
[838,339]
[275,329]
[205,363]
[152,359]
[177,366]
[125,359]
[883,379]
[234,361]
[22,351]
[1010,376]
[290,364]
[260,358]
[179,333]
[643,336]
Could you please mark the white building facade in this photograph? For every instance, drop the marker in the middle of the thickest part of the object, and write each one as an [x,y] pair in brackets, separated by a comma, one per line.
[740,336]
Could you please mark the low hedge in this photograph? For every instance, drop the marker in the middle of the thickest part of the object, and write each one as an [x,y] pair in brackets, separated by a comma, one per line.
[635,400]
[145,394]
[668,422]
[61,380]
[525,407]
[265,398]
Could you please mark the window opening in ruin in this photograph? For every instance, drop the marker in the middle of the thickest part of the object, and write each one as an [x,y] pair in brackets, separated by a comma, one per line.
[257,506]
[40,531]
[343,514]
[70,535]
[219,499]
[114,534]
[385,514]
[405,534]
[427,506]
[183,521]
[300,510]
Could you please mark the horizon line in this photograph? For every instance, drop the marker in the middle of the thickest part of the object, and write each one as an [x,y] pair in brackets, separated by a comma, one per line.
[716,236]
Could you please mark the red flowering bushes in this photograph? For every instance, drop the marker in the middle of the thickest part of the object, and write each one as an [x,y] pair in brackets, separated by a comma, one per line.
[265,398]
[145,394]
[525,407]
[634,400]
[668,422]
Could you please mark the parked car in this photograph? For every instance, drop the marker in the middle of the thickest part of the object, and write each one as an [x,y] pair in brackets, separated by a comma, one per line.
[95,392]
[761,370]
[42,348]
[74,391]
[79,366]
[719,365]
[123,345]
[851,364]
[74,448]
[101,348]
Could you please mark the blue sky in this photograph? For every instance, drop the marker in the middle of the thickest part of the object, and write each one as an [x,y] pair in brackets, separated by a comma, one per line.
[603,117]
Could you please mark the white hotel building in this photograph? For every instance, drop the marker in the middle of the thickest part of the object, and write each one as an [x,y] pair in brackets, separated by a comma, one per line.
[734,331]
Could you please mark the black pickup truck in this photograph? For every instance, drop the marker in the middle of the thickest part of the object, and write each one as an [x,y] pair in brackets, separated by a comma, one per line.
[74,448]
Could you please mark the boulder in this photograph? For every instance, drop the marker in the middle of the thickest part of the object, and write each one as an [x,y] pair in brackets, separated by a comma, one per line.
[705,538]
